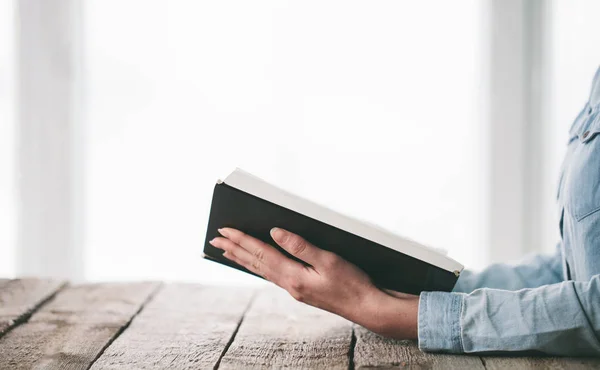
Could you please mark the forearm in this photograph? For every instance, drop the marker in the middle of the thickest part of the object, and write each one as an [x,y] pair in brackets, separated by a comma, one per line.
[531,273]
[387,315]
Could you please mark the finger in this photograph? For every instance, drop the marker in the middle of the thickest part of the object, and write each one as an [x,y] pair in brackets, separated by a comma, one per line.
[300,248]
[233,249]
[232,257]
[242,257]
[260,250]
[261,270]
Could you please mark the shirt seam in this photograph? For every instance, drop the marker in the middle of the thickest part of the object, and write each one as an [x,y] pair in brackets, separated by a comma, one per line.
[423,322]
[455,322]
[460,326]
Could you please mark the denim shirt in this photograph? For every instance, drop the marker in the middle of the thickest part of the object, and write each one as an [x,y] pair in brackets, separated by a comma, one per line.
[548,304]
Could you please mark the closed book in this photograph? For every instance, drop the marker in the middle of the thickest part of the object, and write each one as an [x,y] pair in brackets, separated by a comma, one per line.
[254,206]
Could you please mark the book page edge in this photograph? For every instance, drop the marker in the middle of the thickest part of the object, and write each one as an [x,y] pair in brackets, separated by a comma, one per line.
[254,185]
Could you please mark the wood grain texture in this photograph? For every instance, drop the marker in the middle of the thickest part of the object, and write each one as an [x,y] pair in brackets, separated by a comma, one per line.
[374,351]
[554,363]
[73,328]
[279,332]
[183,327]
[20,297]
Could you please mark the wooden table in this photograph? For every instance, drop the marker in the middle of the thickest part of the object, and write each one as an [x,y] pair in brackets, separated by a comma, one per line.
[48,324]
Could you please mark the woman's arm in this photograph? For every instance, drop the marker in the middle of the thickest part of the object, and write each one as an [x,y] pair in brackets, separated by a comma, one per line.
[532,273]
[559,319]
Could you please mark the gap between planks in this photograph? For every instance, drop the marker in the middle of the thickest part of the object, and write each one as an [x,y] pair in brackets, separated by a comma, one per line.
[237,328]
[279,332]
[124,327]
[482,362]
[69,331]
[351,351]
[185,326]
[24,317]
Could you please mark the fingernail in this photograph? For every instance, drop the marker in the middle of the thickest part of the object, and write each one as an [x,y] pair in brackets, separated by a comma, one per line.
[277,234]
[223,232]
[212,242]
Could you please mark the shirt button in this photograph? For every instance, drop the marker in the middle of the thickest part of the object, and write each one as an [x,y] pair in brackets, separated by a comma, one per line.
[586,134]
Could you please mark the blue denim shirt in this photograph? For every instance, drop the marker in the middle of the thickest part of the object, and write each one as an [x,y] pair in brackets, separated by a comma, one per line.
[549,304]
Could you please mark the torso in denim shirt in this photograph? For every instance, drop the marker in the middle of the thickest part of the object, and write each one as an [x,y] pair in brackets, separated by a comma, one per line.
[579,192]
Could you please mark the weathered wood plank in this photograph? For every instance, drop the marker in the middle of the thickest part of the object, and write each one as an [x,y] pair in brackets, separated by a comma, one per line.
[72,329]
[374,351]
[555,363]
[20,297]
[279,332]
[183,327]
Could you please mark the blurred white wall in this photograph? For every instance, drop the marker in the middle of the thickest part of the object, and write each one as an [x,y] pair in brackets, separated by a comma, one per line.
[7,134]
[370,108]
[374,109]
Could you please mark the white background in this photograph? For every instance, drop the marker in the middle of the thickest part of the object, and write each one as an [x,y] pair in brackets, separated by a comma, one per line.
[7,132]
[370,108]
[374,109]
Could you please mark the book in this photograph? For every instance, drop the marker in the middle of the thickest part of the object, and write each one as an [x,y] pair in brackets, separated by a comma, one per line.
[254,206]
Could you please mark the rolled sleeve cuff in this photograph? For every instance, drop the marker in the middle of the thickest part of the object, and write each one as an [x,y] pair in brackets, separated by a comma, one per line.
[439,322]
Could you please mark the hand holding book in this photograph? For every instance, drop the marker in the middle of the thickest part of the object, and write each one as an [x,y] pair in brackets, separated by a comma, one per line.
[326,281]
[248,203]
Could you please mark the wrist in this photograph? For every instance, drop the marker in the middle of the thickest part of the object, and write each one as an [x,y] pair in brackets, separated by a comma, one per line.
[390,316]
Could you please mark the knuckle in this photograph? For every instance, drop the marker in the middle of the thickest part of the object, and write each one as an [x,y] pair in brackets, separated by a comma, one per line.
[298,296]
[297,286]
[297,245]
[259,254]
[331,261]
[256,265]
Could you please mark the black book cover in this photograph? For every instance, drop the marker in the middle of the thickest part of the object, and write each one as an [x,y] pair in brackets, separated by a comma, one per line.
[255,216]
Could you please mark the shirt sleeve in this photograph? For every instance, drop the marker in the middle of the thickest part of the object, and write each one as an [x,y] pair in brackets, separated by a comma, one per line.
[531,273]
[558,319]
